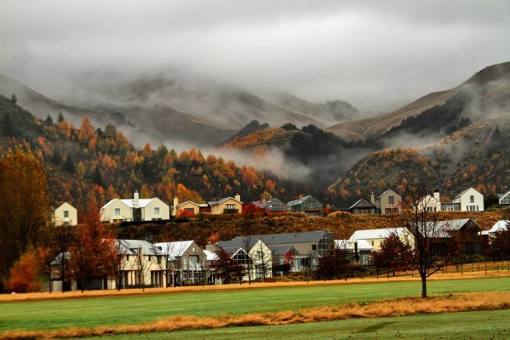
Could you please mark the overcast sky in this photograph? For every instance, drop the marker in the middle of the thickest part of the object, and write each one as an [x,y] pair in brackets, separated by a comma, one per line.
[371,53]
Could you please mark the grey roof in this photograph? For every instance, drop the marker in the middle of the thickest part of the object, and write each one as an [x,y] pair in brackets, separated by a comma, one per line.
[298,201]
[129,247]
[290,238]
[362,203]
[238,242]
[441,229]
[282,250]
[218,202]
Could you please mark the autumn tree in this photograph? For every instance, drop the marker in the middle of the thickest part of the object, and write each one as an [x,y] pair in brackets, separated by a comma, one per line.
[226,268]
[93,255]
[394,254]
[332,264]
[24,275]
[500,244]
[23,206]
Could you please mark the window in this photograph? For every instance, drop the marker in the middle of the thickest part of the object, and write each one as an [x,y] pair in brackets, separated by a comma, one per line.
[472,199]
[156,211]
[66,213]
[193,261]
[231,206]
[391,199]
[117,211]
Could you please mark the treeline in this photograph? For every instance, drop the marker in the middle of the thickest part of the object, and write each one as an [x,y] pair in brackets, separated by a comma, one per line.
[89,159]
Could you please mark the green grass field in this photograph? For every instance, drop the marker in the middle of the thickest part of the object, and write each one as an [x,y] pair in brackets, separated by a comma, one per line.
[87,312]
[465,325]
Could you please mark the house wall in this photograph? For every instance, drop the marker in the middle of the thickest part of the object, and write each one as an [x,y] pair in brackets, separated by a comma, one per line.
[465,201]
[386,207]
[188,205]
[218,209]
[148,213]
[108,212]
[131,266]
[59,218]
[262,261]
[429,203]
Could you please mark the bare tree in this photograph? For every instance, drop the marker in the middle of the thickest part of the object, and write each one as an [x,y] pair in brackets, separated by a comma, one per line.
[424,227]
[61,239]
[247,240]
[264,263]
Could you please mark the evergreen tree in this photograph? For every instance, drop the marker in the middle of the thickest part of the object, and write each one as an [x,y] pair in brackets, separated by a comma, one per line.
[14,99]
[56,158]
[69,165]
[8,128]
[60,117]
[48,121]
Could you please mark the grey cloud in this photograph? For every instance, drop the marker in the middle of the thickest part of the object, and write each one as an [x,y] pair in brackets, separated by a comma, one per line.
[372,53]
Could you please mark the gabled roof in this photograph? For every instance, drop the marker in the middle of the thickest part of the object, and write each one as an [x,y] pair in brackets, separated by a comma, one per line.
[463,192]
[374,234]
[211,256]
[65,204]
[298,201]
[441,229]
[500,225]
[502,196]
[362,203]
[200,205]
[363,245]
[129,247]
[272,239]
[174,249]
[223,200]
[142,202]
[387,192]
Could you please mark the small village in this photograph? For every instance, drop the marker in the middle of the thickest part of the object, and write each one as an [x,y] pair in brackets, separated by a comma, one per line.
[256,258]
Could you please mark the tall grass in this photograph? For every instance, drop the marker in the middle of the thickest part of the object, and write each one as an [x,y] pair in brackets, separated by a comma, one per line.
[398,307]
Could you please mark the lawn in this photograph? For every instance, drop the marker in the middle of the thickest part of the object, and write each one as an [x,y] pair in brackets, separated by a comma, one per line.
[87,312]
[464,325]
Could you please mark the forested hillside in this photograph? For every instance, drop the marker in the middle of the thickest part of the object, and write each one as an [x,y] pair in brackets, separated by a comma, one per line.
[85,160]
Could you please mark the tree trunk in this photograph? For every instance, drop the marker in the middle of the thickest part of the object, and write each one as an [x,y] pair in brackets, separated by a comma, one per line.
[424,286]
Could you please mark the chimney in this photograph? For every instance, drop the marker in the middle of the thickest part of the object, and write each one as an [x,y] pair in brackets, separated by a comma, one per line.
[437,195]
[372,198]
[238,197]
[136,200]
[174,207]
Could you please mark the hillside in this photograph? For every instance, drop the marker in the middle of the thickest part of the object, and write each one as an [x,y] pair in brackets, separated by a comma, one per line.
[172,101]
[482,96]
[329,113]
[85,160]
[477,155]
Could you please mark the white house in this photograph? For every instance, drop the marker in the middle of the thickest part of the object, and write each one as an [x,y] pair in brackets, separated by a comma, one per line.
[375,237]
[187,262]
[135,209]
[141,264]
[361,250]
[470,200]
[500,225]
[388,203]
[65,214]
[505,199]
[429,203]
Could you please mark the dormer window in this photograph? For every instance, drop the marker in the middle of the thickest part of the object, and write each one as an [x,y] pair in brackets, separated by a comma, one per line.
[391,199]
[472,199]
[156,211]
[66,213]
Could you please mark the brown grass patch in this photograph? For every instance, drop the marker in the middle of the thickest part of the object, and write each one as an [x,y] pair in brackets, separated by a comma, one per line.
[398,307]
[503,272]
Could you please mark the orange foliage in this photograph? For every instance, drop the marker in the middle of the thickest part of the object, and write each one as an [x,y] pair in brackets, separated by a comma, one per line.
[24,274]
